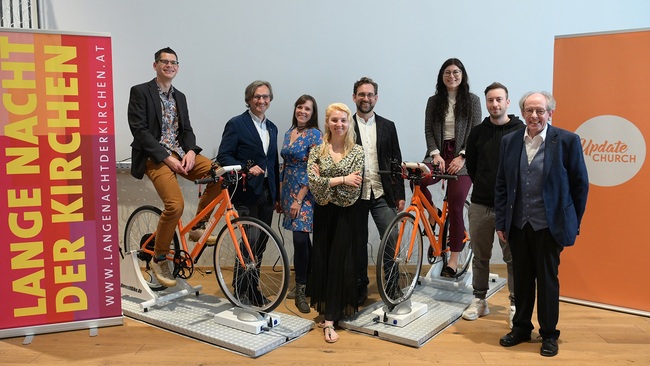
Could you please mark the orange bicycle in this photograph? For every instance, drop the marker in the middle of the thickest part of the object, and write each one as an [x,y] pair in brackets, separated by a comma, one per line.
[400,256]
[250,262]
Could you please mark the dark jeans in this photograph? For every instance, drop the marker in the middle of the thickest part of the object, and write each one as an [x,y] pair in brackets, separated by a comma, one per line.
[301,256]
[382,214]
[263,210]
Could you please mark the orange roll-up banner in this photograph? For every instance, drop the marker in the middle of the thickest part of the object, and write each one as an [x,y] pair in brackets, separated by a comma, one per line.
[59,249]
[602,87]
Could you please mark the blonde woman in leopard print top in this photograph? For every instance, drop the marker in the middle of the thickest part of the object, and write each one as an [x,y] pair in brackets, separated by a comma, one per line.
[335,169]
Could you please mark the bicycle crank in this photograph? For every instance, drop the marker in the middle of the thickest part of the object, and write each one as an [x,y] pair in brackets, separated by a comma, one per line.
[183,265]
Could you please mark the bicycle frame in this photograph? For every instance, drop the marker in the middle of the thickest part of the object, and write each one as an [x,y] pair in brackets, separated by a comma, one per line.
[400,256]
[241,247]
[223,208]
[418,205]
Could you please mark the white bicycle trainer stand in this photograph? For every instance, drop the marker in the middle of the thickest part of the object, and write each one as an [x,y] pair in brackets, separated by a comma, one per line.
[134,284]
[402,314]
[247,320]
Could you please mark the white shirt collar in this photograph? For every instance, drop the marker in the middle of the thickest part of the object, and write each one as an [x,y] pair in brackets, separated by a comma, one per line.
[370,120]
[257,120]
[541,134]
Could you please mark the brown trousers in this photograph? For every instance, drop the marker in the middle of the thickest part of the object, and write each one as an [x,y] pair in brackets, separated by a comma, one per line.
[166,184]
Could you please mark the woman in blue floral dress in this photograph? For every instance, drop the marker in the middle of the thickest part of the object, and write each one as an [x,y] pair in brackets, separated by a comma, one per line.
[297,201]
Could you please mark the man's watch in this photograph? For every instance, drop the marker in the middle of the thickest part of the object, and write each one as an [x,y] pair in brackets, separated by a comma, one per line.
[462,155]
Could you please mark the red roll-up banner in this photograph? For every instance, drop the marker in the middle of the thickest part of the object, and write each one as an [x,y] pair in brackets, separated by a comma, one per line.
[59,246]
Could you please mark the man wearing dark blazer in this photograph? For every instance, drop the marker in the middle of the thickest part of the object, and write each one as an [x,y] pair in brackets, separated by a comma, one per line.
[250,140]
[164,146]
[382,195]
[540,198]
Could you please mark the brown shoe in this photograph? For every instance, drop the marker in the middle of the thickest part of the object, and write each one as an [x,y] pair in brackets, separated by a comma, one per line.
[196,233]
[163,273]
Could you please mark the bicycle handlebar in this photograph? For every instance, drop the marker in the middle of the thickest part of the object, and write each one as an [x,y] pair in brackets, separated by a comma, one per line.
[408,170]
[215,175]
[204,181]
[445,176]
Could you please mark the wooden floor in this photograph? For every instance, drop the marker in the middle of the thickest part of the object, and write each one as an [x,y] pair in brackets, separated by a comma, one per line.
[590,336]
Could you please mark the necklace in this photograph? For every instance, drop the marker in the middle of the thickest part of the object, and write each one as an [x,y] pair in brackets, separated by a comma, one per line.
[301,128]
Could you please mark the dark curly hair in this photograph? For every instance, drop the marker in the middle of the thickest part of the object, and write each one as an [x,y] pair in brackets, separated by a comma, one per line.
[441,103]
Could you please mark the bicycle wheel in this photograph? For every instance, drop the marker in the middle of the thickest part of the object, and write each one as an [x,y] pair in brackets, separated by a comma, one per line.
[398,272]
[141,225]
[261,283]
[466,255]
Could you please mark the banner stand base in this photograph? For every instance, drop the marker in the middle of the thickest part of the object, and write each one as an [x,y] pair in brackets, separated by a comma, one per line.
[31,331]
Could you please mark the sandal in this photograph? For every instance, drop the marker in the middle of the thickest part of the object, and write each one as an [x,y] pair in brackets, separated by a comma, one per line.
[328,332]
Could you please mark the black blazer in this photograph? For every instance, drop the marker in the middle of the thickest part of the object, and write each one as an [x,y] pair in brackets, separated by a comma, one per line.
[145,121]
[387,149]
[240,143]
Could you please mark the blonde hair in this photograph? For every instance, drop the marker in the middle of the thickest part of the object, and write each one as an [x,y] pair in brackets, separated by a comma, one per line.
[350,135]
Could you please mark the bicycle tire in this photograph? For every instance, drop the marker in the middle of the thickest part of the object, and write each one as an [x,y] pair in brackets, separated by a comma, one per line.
[397,273]
[141,224]
[466,255]
[260,285]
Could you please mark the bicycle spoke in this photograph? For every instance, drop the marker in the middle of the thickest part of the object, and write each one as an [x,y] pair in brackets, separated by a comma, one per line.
[140,229]
[259,279]
[399,260]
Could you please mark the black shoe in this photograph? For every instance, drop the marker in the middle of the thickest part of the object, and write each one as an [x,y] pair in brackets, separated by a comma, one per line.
[513,339]
[253,298]
[448,272]
[257,298]
[394,292]
[549,347]
[362,295]
[244,300]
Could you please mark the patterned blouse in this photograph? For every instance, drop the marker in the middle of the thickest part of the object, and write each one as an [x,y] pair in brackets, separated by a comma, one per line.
[340,195]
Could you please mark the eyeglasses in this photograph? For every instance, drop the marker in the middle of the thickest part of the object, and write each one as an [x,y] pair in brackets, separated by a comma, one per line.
[456,73]
[540,112]
[364,95]
[168,62]
[261,96]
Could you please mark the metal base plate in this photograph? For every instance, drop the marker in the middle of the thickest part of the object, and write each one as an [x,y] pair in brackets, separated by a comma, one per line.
[445,306]
[194,316]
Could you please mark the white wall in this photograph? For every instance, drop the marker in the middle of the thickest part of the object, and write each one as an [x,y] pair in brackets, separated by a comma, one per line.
[322,48]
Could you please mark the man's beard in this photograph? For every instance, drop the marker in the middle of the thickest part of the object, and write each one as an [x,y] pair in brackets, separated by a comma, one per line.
[363,110]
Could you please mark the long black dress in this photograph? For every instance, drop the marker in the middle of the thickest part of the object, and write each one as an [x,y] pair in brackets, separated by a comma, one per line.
[332,283]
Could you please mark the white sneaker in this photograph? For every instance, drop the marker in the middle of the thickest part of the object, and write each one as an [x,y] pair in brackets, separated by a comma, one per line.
[195,235]
[476,309]
[511,315]
[162,273]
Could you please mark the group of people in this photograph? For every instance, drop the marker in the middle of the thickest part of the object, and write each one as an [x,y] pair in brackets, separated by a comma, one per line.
[530,186]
